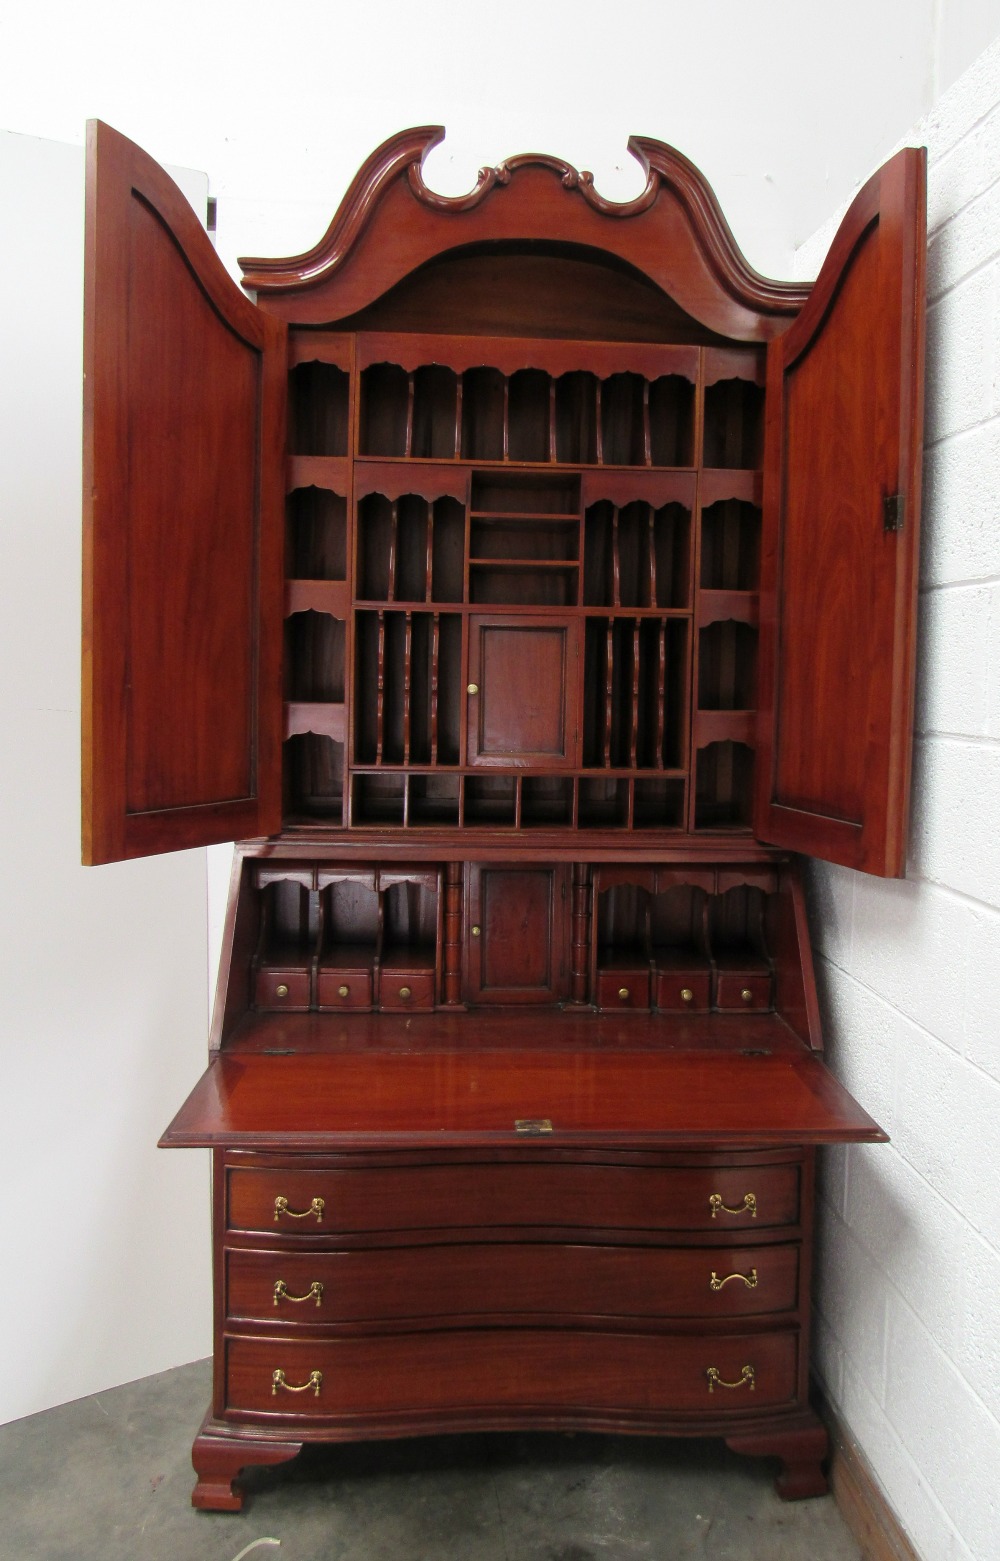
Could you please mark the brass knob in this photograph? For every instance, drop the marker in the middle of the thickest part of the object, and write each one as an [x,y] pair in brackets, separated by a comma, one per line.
[472,688]
[687,996]
[623,992]
[342,991]
[404,991]
[281,990]
[747,995]
[476,931]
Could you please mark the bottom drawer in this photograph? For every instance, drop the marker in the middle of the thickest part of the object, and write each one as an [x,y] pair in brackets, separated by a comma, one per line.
[509,1370]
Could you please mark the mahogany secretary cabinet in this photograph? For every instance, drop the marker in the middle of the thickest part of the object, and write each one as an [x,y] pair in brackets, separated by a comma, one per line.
[521,580]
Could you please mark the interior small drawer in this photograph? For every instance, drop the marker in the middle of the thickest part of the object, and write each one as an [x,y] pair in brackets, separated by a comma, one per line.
[738,989]
[682,991]
[486,1374]
[624,987]
[516,1280]
[345,988]
[402,989]
[466,1195]
[282,989]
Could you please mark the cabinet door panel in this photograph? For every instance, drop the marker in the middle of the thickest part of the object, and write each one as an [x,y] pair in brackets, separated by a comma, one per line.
[517,941]
[525,677]
[183,453]
[841,519]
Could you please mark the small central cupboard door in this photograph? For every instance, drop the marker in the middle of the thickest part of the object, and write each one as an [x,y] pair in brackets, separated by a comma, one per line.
[841,521]
[523,692]
[184,411]
[517,934]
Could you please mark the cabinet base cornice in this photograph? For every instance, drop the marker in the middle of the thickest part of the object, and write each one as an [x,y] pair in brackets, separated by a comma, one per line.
[222,1449]
[219,1455]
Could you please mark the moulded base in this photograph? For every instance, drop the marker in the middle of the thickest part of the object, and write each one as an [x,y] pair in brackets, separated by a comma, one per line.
[223,1449]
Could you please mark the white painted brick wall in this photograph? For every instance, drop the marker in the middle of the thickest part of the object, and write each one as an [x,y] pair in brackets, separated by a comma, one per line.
[908,1298]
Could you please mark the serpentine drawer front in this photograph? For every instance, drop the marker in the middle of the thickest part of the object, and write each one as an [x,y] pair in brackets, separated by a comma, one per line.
[455,1374]
[517,1280]
[459,1196]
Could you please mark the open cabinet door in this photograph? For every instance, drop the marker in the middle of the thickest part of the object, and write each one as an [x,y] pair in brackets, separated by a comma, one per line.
[183,526]
[841,520]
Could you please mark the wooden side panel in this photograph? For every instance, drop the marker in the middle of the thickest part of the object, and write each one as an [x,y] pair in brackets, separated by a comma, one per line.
[184,436]
[842,505]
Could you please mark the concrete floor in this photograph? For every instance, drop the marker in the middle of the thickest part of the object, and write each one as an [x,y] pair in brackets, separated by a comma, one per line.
[108,1478]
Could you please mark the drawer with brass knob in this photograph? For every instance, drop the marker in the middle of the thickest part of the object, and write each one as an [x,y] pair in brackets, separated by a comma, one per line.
[623,986]
[285,990]
[749,992]
[404,989]
[682,991]
[344,987]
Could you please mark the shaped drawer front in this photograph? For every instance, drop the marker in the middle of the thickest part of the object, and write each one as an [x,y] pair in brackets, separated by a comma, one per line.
[402,989]
[682,991]
[282,989]
[324,1202]
[739,990]
[516,1280]
[344,988]
[486,1373]
[623,987]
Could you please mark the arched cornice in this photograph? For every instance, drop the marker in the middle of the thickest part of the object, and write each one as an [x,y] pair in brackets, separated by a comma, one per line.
[390,222]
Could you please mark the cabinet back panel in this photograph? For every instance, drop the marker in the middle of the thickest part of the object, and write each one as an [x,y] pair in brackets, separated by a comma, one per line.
[316,535]
[314,657]
[435,409]
[724,780]
[318,410]
[314,777]
[448,562]
[384,410]
[351,914]
[734,410]
[730,546]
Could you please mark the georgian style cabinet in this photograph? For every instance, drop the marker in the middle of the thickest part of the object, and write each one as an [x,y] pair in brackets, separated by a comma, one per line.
[521,580]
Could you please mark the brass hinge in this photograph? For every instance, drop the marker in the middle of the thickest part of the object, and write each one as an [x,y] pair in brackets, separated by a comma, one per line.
[893,505]
[531,1127]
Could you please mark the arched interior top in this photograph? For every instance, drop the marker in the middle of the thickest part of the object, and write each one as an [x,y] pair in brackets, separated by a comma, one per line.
[510,289]
[545,215]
